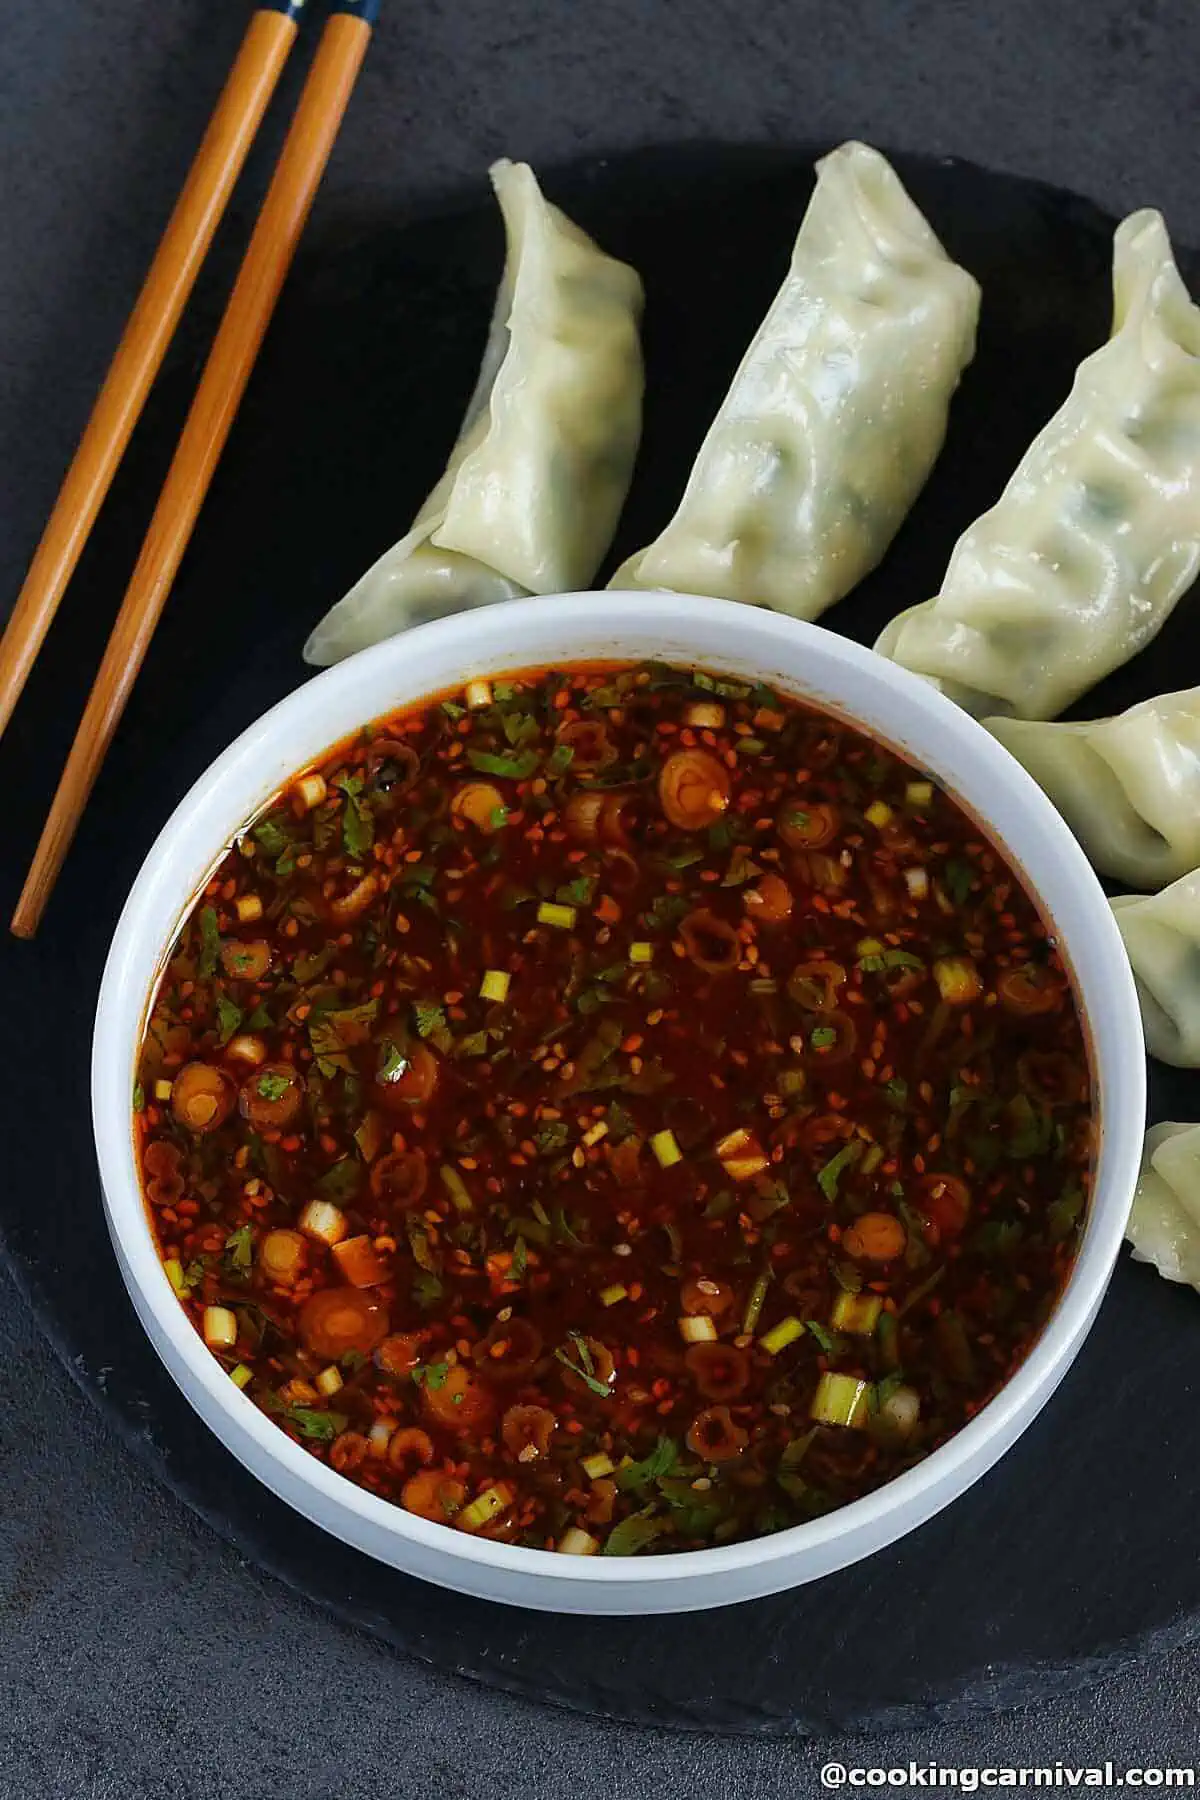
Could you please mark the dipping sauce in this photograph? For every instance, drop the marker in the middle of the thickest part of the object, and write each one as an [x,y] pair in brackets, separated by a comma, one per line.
[616,1111]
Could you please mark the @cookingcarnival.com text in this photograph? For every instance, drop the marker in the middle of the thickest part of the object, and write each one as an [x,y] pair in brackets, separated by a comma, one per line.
[917,1776]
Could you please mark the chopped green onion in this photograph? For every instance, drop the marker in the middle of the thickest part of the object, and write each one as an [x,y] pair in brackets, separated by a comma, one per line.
[494,985]
[919,793]
[898,1406]
[456,1187]
[697,1328]
[485,1507]
[879,814]
[754,1304]
[329,1380]
[641,953]
[781,1335]
[595,1467]
[609,1296]
[220,1328]
[576,1541]
[829,1176]
[666,1149]
[840,1400]
[857,1313]
[242,1376]
[958,980]
[549,912]
[478,694]
[173,1269]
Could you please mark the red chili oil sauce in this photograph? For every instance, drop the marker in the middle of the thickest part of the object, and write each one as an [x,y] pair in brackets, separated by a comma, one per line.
[621,1110]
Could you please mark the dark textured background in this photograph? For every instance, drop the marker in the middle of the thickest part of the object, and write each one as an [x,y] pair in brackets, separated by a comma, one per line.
[138,1656]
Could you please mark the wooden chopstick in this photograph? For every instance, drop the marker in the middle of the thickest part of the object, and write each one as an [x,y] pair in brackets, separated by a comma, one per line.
[286,207]
[211,179]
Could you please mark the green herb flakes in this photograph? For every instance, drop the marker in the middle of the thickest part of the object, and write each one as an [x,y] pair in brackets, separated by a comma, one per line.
[210,944]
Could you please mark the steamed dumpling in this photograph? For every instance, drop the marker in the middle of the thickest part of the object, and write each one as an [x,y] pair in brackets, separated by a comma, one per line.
[1129,787]
[530,497]
[1162,937]
[838,410]
[1097,535]
[1164,1226]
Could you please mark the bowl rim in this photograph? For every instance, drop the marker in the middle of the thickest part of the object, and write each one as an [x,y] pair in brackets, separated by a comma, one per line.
[1123,1101]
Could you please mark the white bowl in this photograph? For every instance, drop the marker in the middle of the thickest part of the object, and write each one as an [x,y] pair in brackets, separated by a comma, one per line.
[802,660]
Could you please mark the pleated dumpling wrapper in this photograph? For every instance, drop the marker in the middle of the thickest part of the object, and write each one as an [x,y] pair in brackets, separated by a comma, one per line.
[1162,938]
[838,409]
[1129,787]
[1097,535]
[530,498]
[1164,1226]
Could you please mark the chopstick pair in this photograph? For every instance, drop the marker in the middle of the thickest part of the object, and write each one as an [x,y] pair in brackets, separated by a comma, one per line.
[219,161]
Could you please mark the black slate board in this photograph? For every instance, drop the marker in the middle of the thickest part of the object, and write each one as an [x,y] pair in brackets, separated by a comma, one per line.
[1079,1551]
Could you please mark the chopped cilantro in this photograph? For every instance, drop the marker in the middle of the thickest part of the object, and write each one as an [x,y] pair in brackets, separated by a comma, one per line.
[1062,1215]
[139,1097]
[309,964]
[959,878]
[340,1180]
[997,1237]
[822,1036]
[520,1257]
[323,1427]
[684,858]
[432,1375]
[668,909]
[239,1251]
[429,1017]
[519,728]
[559,759]
[498,818]
[517,768]
[229,1017]
[638,1477]
[270,838]
[553,1135]
[358,824]
[331,1035]
[896,1092]
[585,1368]
[210,944]
[427,1289]
[633,1534]
[272,1087]
[578,892]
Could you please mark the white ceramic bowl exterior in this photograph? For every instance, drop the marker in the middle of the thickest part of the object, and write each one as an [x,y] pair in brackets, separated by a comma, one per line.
[802,660]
